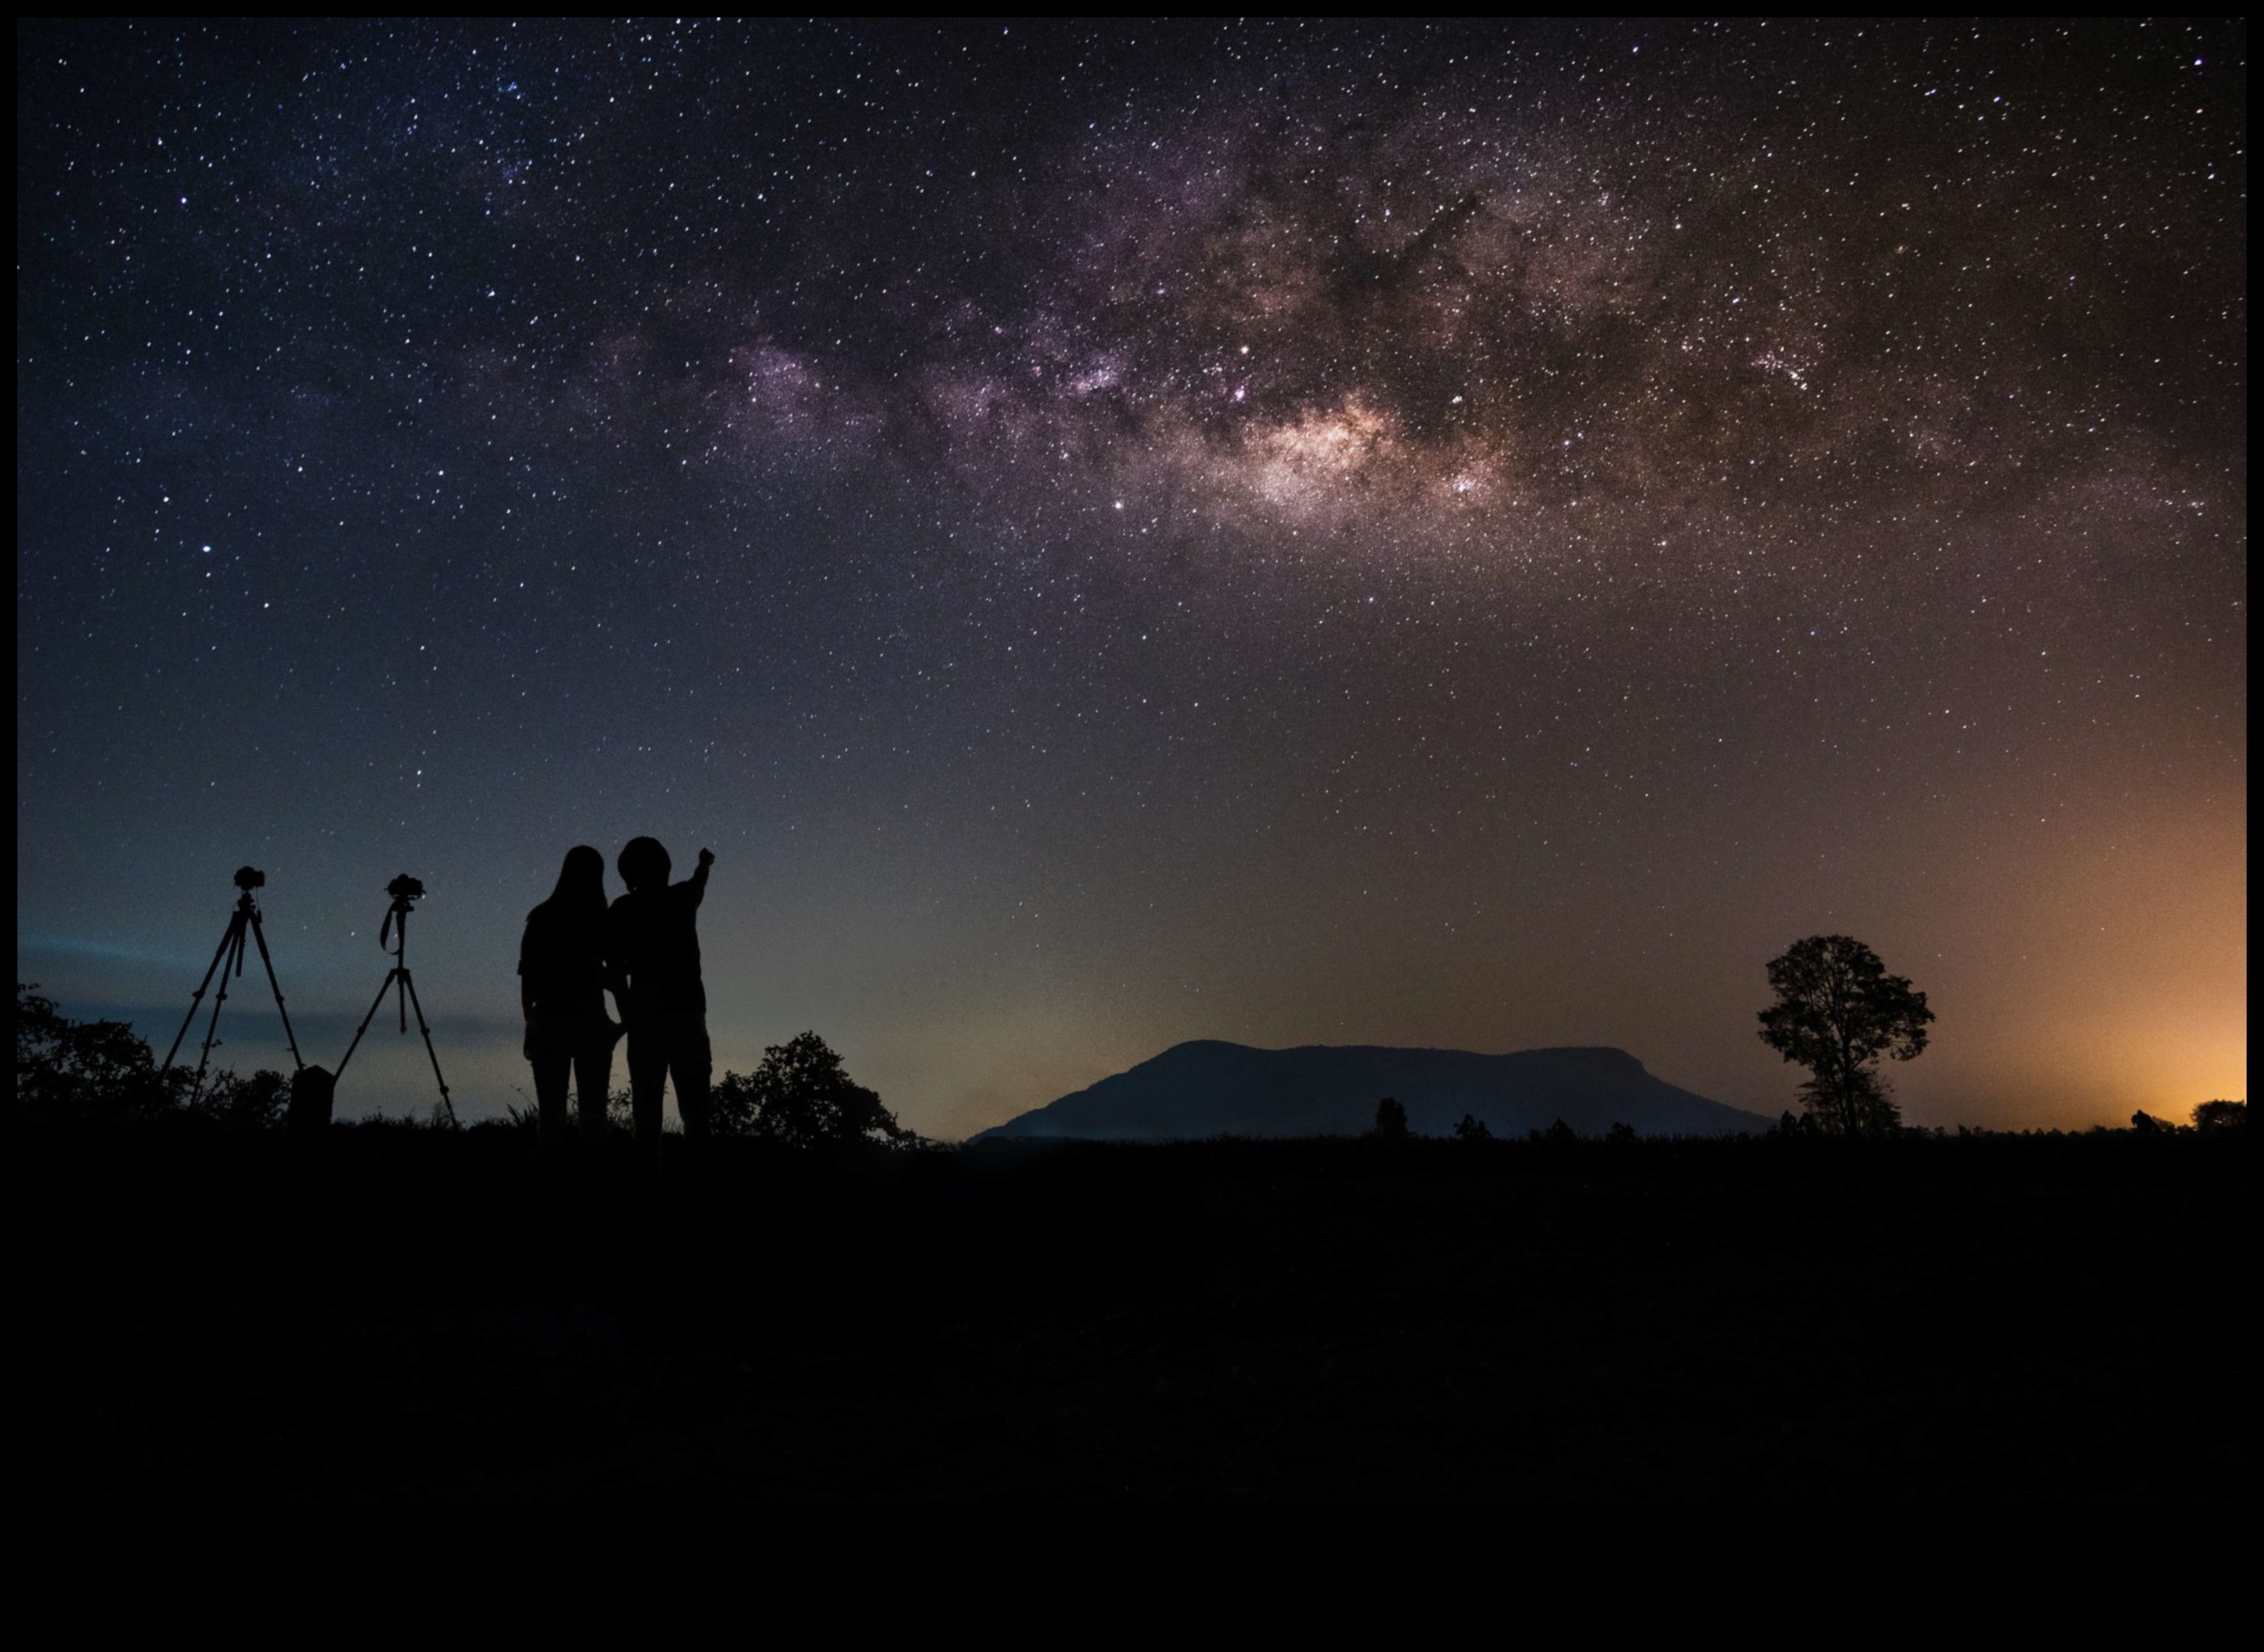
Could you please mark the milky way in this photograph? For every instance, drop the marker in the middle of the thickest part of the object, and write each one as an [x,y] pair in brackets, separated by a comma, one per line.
[1287,533]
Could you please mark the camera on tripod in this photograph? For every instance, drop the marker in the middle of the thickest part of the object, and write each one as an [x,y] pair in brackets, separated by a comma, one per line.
[313,1088]
[405,891]
[244,927]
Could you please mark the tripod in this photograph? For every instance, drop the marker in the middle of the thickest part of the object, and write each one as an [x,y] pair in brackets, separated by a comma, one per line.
[228,960]
[403,889]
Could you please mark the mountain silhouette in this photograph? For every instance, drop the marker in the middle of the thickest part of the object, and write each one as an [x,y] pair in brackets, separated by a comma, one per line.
[1208,1087]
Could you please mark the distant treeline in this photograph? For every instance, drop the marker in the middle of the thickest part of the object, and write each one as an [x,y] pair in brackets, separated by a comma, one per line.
[101,1072]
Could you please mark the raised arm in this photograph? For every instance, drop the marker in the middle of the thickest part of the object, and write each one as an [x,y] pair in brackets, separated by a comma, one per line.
[697,882]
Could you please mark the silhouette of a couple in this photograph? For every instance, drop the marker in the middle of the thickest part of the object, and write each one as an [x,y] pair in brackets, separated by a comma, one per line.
[644,949]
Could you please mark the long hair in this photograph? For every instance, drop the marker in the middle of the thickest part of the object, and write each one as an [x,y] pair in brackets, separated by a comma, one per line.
[581,891]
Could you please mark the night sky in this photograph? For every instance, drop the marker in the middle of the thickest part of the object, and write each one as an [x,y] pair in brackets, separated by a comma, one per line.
[1294,534]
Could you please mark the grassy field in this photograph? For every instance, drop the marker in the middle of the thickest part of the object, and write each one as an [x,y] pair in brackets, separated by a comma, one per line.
[396,1313]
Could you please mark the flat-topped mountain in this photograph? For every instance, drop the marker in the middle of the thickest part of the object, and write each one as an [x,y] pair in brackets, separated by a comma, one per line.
[1208,1088]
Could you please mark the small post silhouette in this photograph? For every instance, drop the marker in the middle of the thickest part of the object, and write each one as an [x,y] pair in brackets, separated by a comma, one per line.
[404,890]
[228,959]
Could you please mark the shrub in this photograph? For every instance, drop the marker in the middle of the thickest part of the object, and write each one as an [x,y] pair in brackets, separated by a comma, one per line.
[86,1071]
[258,1102]
[1390,1121]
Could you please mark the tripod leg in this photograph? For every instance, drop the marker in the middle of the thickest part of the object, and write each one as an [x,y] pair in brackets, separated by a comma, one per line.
[364,1028]
[259,934]
[198,997]
[410,985]
[234,965]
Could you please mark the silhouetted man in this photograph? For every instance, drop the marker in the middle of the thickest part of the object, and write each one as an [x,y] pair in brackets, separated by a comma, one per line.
[656,942]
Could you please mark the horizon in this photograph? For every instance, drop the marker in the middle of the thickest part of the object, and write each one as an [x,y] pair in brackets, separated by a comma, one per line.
[499,1083]
[1454,536]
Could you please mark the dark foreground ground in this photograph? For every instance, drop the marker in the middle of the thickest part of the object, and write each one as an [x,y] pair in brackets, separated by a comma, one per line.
[407,1314]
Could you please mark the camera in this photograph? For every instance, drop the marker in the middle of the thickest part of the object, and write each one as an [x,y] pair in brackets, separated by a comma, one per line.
[249,879]
[405,888]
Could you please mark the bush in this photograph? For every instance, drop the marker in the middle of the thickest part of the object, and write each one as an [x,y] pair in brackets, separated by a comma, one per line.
[258,1102]
[85,1071]
[1390,1120]
[102,1072]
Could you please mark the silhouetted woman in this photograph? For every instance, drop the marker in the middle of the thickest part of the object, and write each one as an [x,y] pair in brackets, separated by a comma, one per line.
[563,975]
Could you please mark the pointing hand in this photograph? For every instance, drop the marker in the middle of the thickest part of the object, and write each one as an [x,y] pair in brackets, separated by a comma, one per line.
[707,859]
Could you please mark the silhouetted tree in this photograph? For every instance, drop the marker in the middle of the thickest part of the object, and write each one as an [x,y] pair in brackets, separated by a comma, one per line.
[1621,1135]
[1390,1121]
[87,1071]
[1472,1129]
[1838,1012]
[102,1072]
[2146,1125]
[2221,1116]
[1561,1134]
[801,1097]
